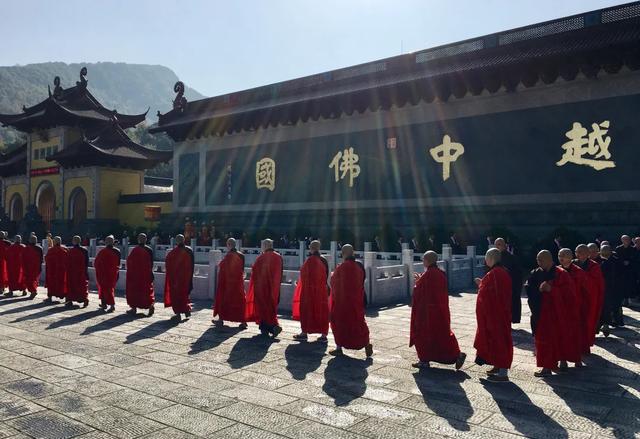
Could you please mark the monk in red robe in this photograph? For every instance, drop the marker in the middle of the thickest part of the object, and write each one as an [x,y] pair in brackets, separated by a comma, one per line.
[4,247]
[263,295]
[107,265]
[15,274]
[56,263]
[230,302]
[430,318]
[139,283]
[32,259]
[555,336]
[578,312]
[595,287]
[311,297]
[493,312]
[179,265]
[77,274]
[347,305]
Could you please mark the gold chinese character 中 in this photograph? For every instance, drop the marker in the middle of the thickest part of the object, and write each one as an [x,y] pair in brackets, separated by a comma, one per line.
[595,145]
[266,174]
[446,153]
[345,162]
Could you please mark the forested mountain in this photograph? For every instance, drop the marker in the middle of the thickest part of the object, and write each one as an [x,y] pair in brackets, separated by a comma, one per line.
[128,88]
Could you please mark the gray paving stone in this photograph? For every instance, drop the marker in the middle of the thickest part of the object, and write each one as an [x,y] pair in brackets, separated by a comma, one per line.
[48,425]
[313,430]
[123,427]
[191,420]
[256,395]
[242,431]
[169,433]
[198,398]
[31,388]
[135,401]
[260,417]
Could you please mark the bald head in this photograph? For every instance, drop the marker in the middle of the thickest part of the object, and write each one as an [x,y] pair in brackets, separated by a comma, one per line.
[430,258]
[500,244]
[545,260]
[57,240]
[347,251]
[492,257]
[605,251]
[18,239]
[76,240]
[267,244]
[626,240]
[142,238]
[314,246]
[3,235]
[179,239]
[582,252]
[109,240]
[231,243]
[565,256]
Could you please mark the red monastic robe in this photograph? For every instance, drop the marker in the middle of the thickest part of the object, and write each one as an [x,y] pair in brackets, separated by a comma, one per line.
[581,289]
[263,295]
[230,302]
[14,267]
[311,297]
[595,286]
[493,312]
[347,305]
[179,265]
[431,320]
[4,276]
[77,275]
[57,261]
[556,334]
[32,266]
[139,282]
[107,265]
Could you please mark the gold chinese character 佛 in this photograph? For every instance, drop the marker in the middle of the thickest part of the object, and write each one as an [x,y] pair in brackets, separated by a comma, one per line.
[446,153]
[266,174]
[345,162]
[593,145]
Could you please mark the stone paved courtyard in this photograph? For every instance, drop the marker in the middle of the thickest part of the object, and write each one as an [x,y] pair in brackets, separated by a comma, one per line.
[82,373]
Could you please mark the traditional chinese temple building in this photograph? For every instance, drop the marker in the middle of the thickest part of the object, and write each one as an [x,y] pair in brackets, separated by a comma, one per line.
[77,164]
[532,129]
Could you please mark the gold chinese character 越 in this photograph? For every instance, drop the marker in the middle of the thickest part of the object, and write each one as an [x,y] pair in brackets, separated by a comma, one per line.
[446,153]
[595,145]
[345,162]
[266,174]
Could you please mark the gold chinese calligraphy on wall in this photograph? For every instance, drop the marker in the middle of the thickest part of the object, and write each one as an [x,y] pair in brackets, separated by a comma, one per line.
[588,148]
[266,174]
[345,162]
[446,153]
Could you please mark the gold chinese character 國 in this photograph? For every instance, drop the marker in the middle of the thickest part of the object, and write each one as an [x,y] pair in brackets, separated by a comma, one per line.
[345,162]
[266,174]
[446,153]
[595,145]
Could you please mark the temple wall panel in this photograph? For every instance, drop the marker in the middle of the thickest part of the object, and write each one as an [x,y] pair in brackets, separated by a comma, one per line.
[113,183]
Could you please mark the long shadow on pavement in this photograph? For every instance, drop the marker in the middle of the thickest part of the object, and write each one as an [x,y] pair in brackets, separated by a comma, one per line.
[442,392]
[77,318]
[526,417]
[156,328]
[304,358]
[20,309]
[111,323]
[248,351]
[212,338]
[44,313]
[345,379]
[605,400]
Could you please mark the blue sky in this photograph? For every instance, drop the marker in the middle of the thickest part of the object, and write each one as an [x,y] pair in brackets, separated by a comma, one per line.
[223,46]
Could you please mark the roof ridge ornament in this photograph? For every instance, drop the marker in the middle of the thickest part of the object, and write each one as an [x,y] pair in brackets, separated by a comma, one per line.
[57,89]
[180,102]
[83,80]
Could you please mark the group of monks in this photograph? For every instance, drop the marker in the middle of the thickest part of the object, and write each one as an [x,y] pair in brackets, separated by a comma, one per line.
[319,302]
[570,302]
